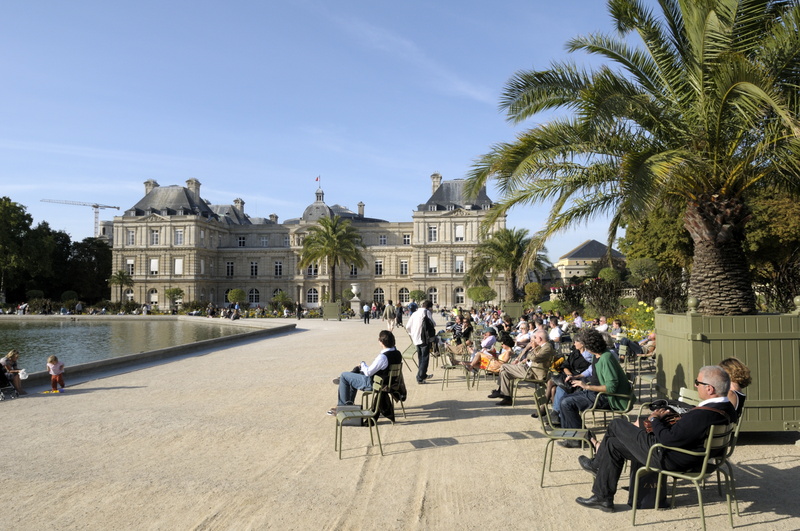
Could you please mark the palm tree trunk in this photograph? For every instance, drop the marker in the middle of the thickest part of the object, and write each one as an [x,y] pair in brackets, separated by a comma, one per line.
[511,286]
[333,283]
[720,277]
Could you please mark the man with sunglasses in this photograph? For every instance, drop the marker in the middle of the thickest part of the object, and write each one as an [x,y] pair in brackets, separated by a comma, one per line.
[625,441]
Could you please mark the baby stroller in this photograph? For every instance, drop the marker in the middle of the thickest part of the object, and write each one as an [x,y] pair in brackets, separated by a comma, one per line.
[6,387]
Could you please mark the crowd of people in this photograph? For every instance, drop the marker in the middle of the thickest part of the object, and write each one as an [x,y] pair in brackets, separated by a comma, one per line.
[589,374]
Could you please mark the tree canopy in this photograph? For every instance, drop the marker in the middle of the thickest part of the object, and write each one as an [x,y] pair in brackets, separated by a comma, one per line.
[700,116]
[335,241]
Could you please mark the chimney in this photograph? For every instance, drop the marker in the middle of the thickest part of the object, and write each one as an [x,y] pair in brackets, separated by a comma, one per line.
[361,209]
[194,186]
[436,180]
[149,185]
[273,218]
[239,205]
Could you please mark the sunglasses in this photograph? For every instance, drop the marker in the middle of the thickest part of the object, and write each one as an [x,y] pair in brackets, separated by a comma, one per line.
[698,382]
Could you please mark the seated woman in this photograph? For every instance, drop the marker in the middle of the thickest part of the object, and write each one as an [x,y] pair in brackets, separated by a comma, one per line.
[577,364]
[11,371]
[740,378]
[607,377]
[523,338]
[487,352]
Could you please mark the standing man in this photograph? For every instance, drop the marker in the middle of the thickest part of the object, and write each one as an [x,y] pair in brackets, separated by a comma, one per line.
[422,331]
[625,441]
[366,309]
[390,316]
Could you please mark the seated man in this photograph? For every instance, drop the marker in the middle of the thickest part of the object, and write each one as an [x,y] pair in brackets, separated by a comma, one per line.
[626,441]
[350,382]
[533,363]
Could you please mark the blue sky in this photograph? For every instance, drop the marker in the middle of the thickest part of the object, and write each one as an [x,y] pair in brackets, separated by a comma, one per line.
[256,99]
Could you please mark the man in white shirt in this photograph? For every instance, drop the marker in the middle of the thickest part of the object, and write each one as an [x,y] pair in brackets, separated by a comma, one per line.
[350,382]
[555,331]
[603,326]
[416,323]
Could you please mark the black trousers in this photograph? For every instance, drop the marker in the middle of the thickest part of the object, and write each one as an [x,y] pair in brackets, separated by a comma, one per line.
[622,442]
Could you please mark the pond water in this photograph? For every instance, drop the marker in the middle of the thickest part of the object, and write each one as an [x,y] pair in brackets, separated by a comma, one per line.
[83,341]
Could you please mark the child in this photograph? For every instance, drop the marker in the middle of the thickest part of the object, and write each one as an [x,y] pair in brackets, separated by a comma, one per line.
[56,369]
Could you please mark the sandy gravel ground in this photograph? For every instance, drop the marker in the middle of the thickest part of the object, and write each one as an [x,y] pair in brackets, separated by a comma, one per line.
[238,438]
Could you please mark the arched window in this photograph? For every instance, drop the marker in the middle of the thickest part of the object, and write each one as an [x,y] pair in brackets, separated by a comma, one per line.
[253,296]
[433,295]
[377,295]
[312,296]
[225,295]
[277,292]
[404,296]
[153,296]
[459,296]
[129,295]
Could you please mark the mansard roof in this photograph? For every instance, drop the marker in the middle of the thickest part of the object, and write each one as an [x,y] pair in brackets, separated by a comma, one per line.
[590,249]
[171,200]
[318,209]
[450,195]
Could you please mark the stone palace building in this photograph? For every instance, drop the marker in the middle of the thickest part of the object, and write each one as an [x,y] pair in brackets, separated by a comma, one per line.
[173,238]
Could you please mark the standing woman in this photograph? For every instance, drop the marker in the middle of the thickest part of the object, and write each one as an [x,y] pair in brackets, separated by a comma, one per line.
[9,364]
[399,314]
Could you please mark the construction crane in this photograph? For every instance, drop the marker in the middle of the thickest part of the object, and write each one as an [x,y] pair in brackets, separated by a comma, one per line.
[95,206]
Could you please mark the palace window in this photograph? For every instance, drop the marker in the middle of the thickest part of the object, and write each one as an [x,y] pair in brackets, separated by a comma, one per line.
[312,296]
[382,239]
[406,239]
[377,295]
[253,269]
[278,268]
[154,237]
[129,264]
[459,265]
[403,267]
[433,265]
[242,241]
[378,267]
[313,270]
[253,296]
[131,237]
[459,235]
[179,266]
[265,241]
[178,236]
[459,296]
[228,269]
[404,295]
[433,295]
[154,266]
[433,233]
[353,270]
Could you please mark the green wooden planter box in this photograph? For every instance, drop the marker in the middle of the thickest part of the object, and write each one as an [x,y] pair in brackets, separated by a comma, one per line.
[513,309]
[769,344]
[330,311]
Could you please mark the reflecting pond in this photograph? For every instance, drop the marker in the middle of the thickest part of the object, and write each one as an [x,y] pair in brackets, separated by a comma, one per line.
[83,341]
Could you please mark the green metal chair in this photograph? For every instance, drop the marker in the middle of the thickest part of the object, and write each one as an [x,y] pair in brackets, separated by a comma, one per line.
[448,365]
[516,382]
[594,410]
[718,440]
[408,354]
[558,434]
[394,375]
[370,415]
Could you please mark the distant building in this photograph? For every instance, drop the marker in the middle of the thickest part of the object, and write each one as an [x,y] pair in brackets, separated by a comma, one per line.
[580,260]
[173,238]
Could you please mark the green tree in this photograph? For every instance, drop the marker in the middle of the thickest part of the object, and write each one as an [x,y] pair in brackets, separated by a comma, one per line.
[481,294]
[534,294]
[15,226]
[282,300]
[90,267]
[333,240]
[122,279]
[173,294]
[237,295]
[700,116]
[417,295]
[502,253]
[642,268]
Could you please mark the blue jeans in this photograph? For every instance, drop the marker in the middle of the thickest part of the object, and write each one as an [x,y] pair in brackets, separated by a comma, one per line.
[423,353]
[557,398]
[572,405]
[349,384]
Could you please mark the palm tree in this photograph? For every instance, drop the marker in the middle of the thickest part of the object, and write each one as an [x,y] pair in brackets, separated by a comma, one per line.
[702,115]
[502,254]
[336,241]
[121,279]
